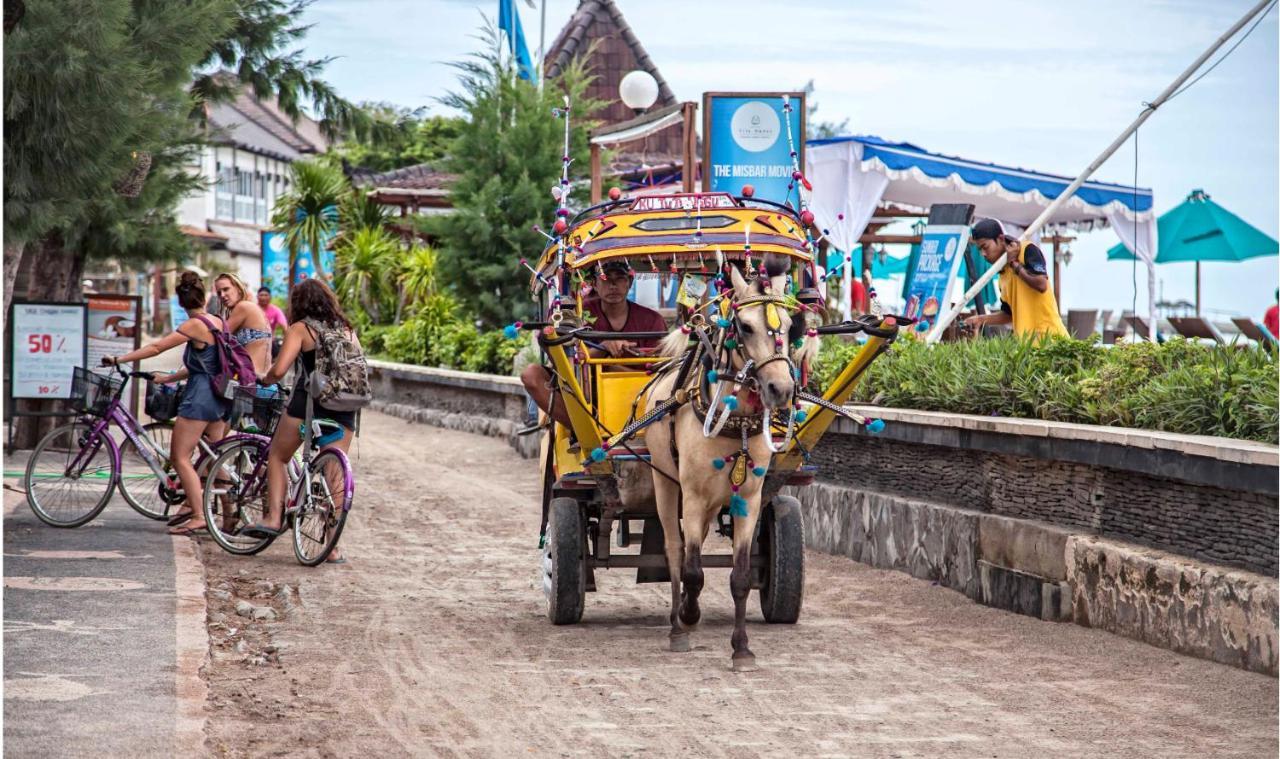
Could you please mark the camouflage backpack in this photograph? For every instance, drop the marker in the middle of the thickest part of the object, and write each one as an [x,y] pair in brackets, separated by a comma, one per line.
[340,381]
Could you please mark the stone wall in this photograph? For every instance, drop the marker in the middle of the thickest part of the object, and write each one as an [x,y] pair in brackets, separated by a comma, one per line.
[1232,527]
[1056,574]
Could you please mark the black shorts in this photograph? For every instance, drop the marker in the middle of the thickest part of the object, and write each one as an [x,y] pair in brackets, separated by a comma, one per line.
[298,408]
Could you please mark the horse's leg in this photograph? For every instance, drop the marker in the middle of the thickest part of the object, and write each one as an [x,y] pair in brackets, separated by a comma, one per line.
[744,529]
[695,530]
[667,496]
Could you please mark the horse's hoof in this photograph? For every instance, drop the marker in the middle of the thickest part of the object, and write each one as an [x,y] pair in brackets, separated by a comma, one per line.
[744,663]
[680,643]
[690,616]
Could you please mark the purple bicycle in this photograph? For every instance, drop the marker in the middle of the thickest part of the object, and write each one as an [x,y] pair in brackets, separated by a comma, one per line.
[76,467]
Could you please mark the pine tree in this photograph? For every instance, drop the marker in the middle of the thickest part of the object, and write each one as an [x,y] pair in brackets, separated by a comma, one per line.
[507,159]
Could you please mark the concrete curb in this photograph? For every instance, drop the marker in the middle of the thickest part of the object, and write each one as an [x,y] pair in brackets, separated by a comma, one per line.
[191,649]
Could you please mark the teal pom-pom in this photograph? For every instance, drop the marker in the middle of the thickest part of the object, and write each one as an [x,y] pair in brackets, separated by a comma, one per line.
[801,416]
[797,344]
[875,426]
[731,344]
[713,376]
[510,332]
[597,454]
[722,322]
[758,471]
[718,463]
[731,402]
[737,506]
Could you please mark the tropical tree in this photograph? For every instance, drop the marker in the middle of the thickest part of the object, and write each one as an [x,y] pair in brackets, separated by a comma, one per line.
[308,212]
[418,280]
[357,211]
[365,260]
[399,137]
[507,158]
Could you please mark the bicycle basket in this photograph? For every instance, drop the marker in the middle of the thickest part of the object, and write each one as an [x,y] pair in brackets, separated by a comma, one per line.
[258,409]
[92,393]
[162,401]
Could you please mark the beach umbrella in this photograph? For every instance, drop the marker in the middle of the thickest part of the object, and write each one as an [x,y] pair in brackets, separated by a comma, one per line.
[1198,230]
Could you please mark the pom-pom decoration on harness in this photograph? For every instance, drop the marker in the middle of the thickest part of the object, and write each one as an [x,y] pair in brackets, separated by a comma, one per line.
[512,331]
[875,426]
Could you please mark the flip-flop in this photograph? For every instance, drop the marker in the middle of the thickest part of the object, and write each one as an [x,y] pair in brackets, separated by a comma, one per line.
[178,519]
[339,560]
[258,531]
[190,532]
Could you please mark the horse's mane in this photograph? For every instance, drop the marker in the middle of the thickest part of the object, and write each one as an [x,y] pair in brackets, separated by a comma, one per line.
[673,344]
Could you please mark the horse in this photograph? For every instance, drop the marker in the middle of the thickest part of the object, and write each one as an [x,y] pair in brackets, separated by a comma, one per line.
[757,334]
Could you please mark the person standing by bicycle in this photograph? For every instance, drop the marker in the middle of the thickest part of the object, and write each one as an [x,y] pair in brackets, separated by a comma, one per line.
[312,307]
[246,321]
[200,410]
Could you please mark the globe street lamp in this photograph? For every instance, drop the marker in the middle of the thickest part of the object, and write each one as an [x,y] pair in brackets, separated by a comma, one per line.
[638,90]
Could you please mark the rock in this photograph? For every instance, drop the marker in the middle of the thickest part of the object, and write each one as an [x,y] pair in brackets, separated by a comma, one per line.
[270,648]
[217,618]
[265,613]
[245,609]
[220,595]
[242,648]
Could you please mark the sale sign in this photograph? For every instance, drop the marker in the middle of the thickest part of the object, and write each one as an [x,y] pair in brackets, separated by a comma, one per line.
[48,343]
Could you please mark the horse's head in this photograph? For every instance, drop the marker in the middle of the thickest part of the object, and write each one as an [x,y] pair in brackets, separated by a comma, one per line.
[768,330]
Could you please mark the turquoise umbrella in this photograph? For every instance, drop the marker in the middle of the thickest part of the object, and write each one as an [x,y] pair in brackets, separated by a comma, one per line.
[1200,230]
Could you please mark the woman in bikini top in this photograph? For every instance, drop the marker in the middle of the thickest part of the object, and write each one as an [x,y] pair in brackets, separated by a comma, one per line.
[245,320]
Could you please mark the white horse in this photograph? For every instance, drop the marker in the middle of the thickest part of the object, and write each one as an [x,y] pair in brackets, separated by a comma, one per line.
[760,334]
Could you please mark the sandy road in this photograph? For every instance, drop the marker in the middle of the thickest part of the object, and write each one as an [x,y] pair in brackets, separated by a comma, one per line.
[433,642]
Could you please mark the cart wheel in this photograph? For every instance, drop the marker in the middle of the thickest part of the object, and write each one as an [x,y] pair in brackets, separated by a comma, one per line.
[782,545]
[563,569]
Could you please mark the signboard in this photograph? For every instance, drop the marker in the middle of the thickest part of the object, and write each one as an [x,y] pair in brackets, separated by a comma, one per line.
[177,314]
[935,264]
[275,266]
[684,202]
[114,329]
[48,342]
[745,142]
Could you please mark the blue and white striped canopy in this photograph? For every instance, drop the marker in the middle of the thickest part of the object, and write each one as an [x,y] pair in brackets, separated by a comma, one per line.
[920,178]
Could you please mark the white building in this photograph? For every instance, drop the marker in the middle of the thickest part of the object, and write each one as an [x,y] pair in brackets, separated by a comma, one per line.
[246,166]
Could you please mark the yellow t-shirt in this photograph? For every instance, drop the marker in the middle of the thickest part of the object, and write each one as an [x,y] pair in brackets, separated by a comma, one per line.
[1034,312]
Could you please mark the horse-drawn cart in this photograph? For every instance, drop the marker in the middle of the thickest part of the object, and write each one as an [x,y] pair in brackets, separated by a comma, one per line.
[596,470]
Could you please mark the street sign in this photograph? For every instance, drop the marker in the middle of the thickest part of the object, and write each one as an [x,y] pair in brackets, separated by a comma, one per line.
[48,342]
[745,141]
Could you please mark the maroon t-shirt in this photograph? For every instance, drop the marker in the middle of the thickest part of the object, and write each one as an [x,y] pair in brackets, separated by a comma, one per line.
[639,319]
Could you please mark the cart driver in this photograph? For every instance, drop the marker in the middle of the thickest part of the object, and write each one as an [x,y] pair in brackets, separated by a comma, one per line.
[610,311]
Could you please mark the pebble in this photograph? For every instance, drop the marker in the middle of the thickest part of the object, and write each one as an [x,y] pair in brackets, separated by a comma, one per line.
[221,595]
[265,612]
[244,609]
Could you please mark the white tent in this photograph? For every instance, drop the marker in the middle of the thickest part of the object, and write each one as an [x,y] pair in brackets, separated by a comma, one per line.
[852,176]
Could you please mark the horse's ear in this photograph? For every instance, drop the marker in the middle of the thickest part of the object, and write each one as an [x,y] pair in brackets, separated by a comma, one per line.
[775,265]
[740,284]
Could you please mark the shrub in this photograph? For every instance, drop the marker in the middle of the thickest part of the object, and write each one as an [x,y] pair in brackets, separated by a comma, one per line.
[1178,386]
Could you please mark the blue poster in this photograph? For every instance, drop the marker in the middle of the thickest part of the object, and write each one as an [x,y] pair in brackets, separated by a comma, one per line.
[928,290]
[747,144]
[275,266]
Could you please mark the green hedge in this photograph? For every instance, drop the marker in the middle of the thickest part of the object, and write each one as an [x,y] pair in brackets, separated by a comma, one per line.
[1177,386]
[437,339]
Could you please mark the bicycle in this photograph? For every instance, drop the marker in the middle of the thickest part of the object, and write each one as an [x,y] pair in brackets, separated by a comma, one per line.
[76,467]
[317,502]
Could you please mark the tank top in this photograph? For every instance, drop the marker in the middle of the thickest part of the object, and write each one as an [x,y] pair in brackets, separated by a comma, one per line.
[1034,312]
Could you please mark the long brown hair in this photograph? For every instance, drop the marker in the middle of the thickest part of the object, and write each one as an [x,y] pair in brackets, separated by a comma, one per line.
[312,299]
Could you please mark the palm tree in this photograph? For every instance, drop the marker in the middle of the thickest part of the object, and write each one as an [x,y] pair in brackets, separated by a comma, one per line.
[365,260]
[418,276]
[308,213]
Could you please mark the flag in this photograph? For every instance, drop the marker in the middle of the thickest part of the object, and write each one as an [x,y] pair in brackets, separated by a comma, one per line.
[509,22]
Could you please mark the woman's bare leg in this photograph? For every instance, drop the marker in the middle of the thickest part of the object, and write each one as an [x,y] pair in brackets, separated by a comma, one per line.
[186,433]
[284,443]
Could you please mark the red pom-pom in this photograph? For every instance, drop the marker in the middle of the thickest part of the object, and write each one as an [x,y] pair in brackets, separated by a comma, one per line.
[561,226]
[614,193]
[748,190]
[806,216]
[796,174]
[562,212]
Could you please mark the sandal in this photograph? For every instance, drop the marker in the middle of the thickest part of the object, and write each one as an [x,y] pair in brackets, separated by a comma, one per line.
[190,532]
[180,517]
[259,531]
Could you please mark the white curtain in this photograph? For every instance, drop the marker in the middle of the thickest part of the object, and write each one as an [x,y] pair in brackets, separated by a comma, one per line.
[844,198]
[1140,238]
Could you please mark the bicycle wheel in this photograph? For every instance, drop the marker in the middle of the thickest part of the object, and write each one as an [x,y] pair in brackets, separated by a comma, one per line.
[322,513]
[235,494]
[150,495]
[67,486]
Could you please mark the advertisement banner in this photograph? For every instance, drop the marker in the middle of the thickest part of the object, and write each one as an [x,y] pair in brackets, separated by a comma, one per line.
[48,342]
[937,260]
[745,142]
[275,266]
[113,330]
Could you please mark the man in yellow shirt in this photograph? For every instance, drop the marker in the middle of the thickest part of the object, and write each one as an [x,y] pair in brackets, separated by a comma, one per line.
[1026,300]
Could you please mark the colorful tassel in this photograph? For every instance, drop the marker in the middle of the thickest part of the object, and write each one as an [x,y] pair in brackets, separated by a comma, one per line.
[737,506]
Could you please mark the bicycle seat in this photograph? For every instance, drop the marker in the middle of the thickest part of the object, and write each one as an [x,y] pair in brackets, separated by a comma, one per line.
[323,432]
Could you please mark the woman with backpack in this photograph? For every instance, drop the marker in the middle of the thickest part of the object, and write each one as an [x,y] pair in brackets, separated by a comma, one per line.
[245,320]
[315,319]
[201,409]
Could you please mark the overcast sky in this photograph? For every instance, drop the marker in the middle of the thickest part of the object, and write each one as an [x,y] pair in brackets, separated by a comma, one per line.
[1043,85]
